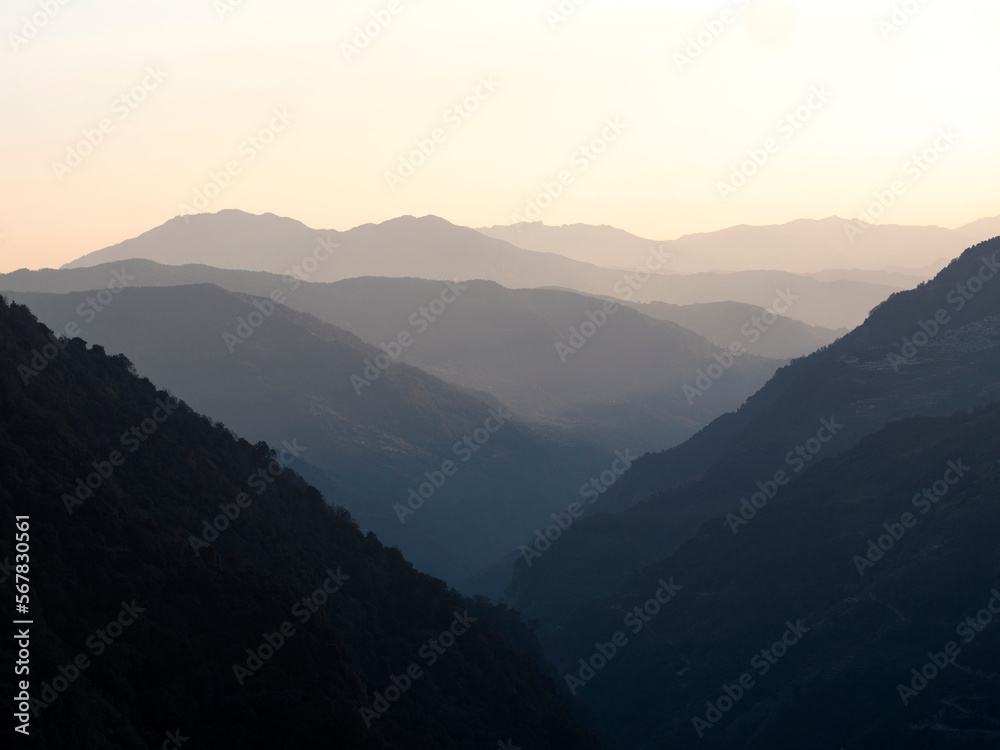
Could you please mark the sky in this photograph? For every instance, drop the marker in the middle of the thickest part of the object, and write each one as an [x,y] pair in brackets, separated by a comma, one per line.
[661,117]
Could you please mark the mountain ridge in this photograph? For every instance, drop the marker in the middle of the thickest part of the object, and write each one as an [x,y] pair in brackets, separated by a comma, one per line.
[198,614]
[664,497]
[749,247]
[433,248]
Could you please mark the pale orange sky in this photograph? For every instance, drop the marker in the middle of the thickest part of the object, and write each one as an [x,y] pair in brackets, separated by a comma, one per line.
[684,127]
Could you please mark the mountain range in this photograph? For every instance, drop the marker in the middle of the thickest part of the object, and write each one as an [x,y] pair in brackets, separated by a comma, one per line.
[865,380]
[472,342]
[432,248]
[289,380]
[376,432]
[759,330]
[851,612]
[889,253]
[804,555]
[242,613]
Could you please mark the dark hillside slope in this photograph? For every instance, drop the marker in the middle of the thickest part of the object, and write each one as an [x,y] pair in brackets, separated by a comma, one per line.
[852,383]
[855,379]
[881,554]
[622,388]
[290,379]
[552,356]
[173,665]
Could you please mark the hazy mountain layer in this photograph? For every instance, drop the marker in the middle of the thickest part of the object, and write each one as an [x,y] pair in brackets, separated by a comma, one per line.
[449,476]
[431,248]
[804,246]
[856,609]
[286,628]
[618,384]
[761,332]
[597,368]
[874,375]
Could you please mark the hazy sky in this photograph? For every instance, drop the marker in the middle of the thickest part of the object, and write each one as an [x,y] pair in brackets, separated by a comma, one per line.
[210,75]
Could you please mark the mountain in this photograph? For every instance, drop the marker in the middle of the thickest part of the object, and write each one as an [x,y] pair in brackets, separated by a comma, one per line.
[448,476]
[432,248]
[761,331]
[816,407]
[624,389]
[427,247]
[983,228]
[228,239]
[600,370]
[830,304]
[804,246]
[284,626]
[867,378]
[857,609]
[903,278]
[601,245]
[808,245]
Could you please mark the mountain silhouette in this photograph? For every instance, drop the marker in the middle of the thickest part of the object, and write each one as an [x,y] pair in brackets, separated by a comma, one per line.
[862,382]
[432,248]
[186,616]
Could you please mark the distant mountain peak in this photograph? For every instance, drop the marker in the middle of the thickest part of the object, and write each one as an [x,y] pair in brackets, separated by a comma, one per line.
[428,219]
[231,214]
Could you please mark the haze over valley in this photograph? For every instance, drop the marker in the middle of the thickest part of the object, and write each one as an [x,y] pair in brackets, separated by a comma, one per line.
[500,376]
